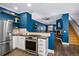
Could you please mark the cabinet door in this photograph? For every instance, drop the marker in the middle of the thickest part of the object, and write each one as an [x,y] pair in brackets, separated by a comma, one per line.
[42,46]
[41,41]
[15,40]
[21,42]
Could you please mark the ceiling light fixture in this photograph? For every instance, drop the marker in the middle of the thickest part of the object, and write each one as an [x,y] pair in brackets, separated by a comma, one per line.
[16,8]
[29,4]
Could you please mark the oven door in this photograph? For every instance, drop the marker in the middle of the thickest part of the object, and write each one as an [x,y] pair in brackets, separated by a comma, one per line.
[31,46]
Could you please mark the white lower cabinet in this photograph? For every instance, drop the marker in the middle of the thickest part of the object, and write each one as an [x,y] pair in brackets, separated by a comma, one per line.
[15,41]
[42,47]
[19,42]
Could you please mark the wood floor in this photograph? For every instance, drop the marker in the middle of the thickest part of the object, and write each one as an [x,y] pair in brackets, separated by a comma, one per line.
[64,50]
[73,37]
[18,52]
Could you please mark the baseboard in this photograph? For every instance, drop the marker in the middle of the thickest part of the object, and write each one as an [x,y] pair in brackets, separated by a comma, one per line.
[50,51]
[64,43]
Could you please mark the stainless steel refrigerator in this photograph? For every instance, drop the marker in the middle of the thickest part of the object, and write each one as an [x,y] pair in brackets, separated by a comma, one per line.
[5,36]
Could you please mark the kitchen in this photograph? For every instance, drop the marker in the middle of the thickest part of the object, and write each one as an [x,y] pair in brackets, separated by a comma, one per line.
[26,33]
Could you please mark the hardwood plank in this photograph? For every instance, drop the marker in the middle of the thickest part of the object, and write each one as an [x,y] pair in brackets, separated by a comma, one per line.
[73,37]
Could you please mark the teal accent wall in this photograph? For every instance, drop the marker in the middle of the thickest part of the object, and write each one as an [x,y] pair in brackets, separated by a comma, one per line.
[65,22]
[51,41]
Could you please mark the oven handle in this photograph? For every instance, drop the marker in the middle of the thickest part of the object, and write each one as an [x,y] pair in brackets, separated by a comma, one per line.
[33,40]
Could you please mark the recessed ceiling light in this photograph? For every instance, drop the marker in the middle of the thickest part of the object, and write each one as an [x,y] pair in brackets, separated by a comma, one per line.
[29,4]
[16,8]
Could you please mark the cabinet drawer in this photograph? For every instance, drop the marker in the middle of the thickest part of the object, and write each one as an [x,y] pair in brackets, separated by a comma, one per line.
[21,37]
[41,40]
[41,46]
[41,51]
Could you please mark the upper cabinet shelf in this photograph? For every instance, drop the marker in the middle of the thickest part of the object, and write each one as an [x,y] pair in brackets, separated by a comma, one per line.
[9,13]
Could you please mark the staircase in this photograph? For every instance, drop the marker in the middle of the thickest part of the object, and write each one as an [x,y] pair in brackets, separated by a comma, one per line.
[73,37]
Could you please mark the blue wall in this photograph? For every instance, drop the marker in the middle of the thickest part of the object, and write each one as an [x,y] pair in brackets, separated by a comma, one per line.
[65,35]
[5,16]
[27,22]
[51,41]
[35,25]
[65,22]
[4,9]
[25,19]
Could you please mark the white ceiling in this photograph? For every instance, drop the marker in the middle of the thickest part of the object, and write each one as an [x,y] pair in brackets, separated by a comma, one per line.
[41,10]
[75,17]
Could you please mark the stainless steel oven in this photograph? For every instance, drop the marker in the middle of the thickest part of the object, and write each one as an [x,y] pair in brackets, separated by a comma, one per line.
[31,45]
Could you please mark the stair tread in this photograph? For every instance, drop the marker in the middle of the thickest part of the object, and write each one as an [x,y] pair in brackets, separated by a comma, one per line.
[73,38]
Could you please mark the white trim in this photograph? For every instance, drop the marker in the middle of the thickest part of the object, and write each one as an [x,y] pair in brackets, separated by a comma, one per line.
[50,51]
[64,43]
